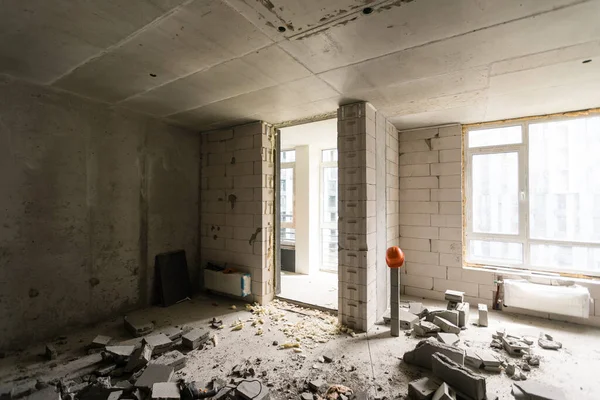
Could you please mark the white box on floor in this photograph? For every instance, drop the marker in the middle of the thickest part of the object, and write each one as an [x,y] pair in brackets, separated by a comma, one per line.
[235,283]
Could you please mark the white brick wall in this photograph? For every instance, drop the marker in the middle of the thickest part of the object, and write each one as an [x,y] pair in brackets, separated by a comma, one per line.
[237,165]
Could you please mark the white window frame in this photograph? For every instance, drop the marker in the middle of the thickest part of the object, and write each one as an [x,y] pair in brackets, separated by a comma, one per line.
[322,224]
[522,236]
[289,225]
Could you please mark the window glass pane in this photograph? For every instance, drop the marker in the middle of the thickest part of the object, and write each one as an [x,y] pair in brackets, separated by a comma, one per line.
[288,156]
[564,180]
[287,195]
[495,136]
[500,252]
[495,197]
[329,205]
[288,235]
[329,155]
[566,257]
[329,253]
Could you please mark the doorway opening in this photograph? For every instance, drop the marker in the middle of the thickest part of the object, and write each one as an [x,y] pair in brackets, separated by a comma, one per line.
[308,213]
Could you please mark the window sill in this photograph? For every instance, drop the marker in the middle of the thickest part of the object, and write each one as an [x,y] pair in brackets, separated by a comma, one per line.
[542,277]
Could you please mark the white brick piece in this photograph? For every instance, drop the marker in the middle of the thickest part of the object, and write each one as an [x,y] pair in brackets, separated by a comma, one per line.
[356,241]
[426,182]
[359,259]
[454,155]
[414,170]
[419,232]
[415,219]
[356,275]
[415,207]
[453,168]
[415,195]
[417,134]
[451,208]
[357,192]
[354,143]
[434,271]
[447,221]
[355,159]
[452,130]
[450,182]
[362,225]
[423,282]
[356,175]
[450,234]
[426,157]
[414,145]
[355,126]
[446,195]
[422,257]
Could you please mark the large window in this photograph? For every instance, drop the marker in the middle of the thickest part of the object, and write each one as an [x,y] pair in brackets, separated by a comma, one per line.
[329,210]
[287,189]
[533,195]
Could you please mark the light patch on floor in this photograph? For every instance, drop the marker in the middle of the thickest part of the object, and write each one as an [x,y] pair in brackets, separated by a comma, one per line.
[320,289]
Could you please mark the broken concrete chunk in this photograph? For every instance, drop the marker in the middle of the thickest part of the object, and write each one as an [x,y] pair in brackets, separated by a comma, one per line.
[165,390]
[497,344]
[449,315]
[418,309]
[407,319]
[532,360]
[328,358]
[51,352]
[463,314]
[173,359]
[421,354]
[513,346]
[306,396]
[510,369]
[539,391]
[100,341]
[196,337]
[252,390]
[452,305]
[483,314]
[448,338]
[463,380]
[154,373]
[115,395]
[547,342]
[472,359]
[454,295]
[159,343]
[488,358]
[425,328]
[139,359]
[445,325]
[422,389]
[136,327]
[444,392]
[316,384]
[104,371]
[172,332]
[120,351]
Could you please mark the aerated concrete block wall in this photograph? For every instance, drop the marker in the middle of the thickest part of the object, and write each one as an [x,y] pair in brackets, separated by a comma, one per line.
[365,186]
[431,225]
[237,203]
[88,196]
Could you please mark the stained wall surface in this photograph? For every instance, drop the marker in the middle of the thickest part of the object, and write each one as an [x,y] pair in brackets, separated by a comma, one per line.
[88,196]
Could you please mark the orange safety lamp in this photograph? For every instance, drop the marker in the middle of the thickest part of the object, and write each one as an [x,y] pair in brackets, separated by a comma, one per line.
[394,257]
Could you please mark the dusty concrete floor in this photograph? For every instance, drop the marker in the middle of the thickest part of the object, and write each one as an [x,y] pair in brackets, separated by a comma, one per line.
[369,361]
[319,288]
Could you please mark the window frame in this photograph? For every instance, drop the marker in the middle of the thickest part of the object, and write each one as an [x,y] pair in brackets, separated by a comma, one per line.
[292,224]
[523,236]
[322,224]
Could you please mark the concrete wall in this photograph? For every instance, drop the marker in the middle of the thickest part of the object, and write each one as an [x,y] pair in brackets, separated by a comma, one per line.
[366,187]
[431,225]
[89,195]
[237,199]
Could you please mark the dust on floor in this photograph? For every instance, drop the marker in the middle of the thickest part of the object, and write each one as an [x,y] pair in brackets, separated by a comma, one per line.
[369,362]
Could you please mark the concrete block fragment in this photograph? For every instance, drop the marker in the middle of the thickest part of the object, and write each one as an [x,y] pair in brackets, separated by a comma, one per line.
[116,395]
[472,359]
[100,341]
[120,351]
[454,295]
[423,389]
[407,319]
[171,358]
[316,384]
[159,343]
[172,332]
[154,373]
[165,390]
[137,327]
[463,314]
[425,328]
[513,346]
[48,393]
[444,392]
[463,380]
[446,326]
[416,308]
[448,338]
[483,315]
[421,354]
[488,358]
[51,352]
[449,315]
[139,359]
[193,339]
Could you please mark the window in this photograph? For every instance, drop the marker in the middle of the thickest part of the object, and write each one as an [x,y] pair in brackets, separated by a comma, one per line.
[287,189]
[329,210]
[533,195]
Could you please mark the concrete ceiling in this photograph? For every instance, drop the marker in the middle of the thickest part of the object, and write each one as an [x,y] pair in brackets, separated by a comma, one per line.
[206,64]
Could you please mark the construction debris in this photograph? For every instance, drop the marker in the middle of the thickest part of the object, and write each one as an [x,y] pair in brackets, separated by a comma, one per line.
[472,359]
[159,343]
[444,392]
[529,390]
[418,309]
[137,328]
[195,338]
[100,341]
[448,315]
[172,359]
[120,351]
[514,346]
[448,338]
[422,353]
[165,390]
[455,296]
[463,314]
[547,342]
[139,359]
[407,319]
[423,389]
[425,328]
[483,314]
[51,352]
[463,380]
[154,373]
[445,325]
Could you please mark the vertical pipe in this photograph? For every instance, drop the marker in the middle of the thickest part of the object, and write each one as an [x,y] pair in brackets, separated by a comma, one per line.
[395,301]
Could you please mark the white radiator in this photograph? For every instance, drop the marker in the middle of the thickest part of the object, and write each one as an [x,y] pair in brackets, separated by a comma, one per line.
[573,300]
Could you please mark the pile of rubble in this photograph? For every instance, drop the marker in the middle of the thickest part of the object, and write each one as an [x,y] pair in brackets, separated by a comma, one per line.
[451,379]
